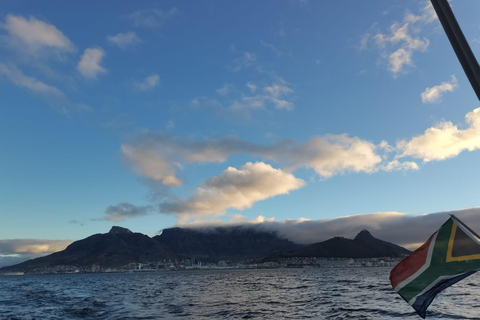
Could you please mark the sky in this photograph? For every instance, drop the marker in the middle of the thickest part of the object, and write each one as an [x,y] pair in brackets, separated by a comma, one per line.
[277,113]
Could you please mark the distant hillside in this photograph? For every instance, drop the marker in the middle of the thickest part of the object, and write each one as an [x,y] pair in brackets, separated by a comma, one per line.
[363,246]
[224,243]
[116,248]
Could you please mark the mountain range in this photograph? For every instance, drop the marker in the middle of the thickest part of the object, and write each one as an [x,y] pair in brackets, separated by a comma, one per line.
[120,247]
[364,245]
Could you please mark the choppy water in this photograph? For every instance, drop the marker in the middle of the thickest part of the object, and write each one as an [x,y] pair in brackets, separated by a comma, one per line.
[226,294]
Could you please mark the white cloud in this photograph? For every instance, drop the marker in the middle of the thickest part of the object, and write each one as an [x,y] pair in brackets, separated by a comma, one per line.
[148,83]
[275,92]
[54,96]
[152,18]
[434,94]
[124,40]
[242,103]
[398,46]
[445,140]
[396,165]
[251,86]
[274,95]
[234,188]
[17,77]
[227,88]
[148,163]
[247,60]
[363,43]
[89,65]
[333,154]
[399,59]
[270,46]
[155,156]
[32,35]
[278,90]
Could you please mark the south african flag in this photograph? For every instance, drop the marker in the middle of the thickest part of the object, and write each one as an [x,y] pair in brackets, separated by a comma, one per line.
[450,255]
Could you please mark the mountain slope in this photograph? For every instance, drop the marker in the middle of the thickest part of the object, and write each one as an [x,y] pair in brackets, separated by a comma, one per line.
[116,248]
[363,246]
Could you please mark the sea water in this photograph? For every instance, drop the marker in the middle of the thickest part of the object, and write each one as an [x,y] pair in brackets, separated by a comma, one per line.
[325,293]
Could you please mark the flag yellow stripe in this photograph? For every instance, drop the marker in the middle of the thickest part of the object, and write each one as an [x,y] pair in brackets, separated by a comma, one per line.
[450,248]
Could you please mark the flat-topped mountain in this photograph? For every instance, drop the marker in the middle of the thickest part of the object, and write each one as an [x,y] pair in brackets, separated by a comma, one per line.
[116,248]
[364,245]
[120,246]
[224,243]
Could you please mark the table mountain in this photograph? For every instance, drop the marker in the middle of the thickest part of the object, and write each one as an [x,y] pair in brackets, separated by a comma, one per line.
[224,243]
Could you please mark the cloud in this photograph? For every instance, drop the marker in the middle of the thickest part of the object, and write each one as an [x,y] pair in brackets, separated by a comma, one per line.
[399,59]
[76,222]
[333,154]
[17,77]
[55,97]
[126,210]
[234,188]
[170,125]
[32,246]
[396,165]
[124,40]
[148,83]
[247,60]
[156,155]
[225,89]
[251,86]
[396,227]
[434,94]
[148,163]
[152,18]
[274,95]
[270,46]
[398,46]
[32,35]
[89,65]
[445,140]
[13,251]
[300,3]
[363,42]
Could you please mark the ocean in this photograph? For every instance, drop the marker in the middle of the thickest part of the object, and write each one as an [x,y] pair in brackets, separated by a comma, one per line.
[326,293]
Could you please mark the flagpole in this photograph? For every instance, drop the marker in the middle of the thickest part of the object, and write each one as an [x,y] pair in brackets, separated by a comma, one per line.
[466,227]
[459,43]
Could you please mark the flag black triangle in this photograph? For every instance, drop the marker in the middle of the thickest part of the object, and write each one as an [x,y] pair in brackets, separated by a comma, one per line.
[464,246]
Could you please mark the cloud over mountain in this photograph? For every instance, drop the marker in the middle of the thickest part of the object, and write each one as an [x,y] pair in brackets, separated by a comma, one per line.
[155,155]
[396,227]
[234,188]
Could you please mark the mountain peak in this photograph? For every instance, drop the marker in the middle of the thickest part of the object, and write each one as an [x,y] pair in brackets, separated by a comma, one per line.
[363,235]
[117,230]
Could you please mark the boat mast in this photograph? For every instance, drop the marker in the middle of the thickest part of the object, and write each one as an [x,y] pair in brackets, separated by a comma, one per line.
[459,43]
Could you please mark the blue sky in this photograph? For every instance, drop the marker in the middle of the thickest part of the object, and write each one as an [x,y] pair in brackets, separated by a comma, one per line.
[152,114]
